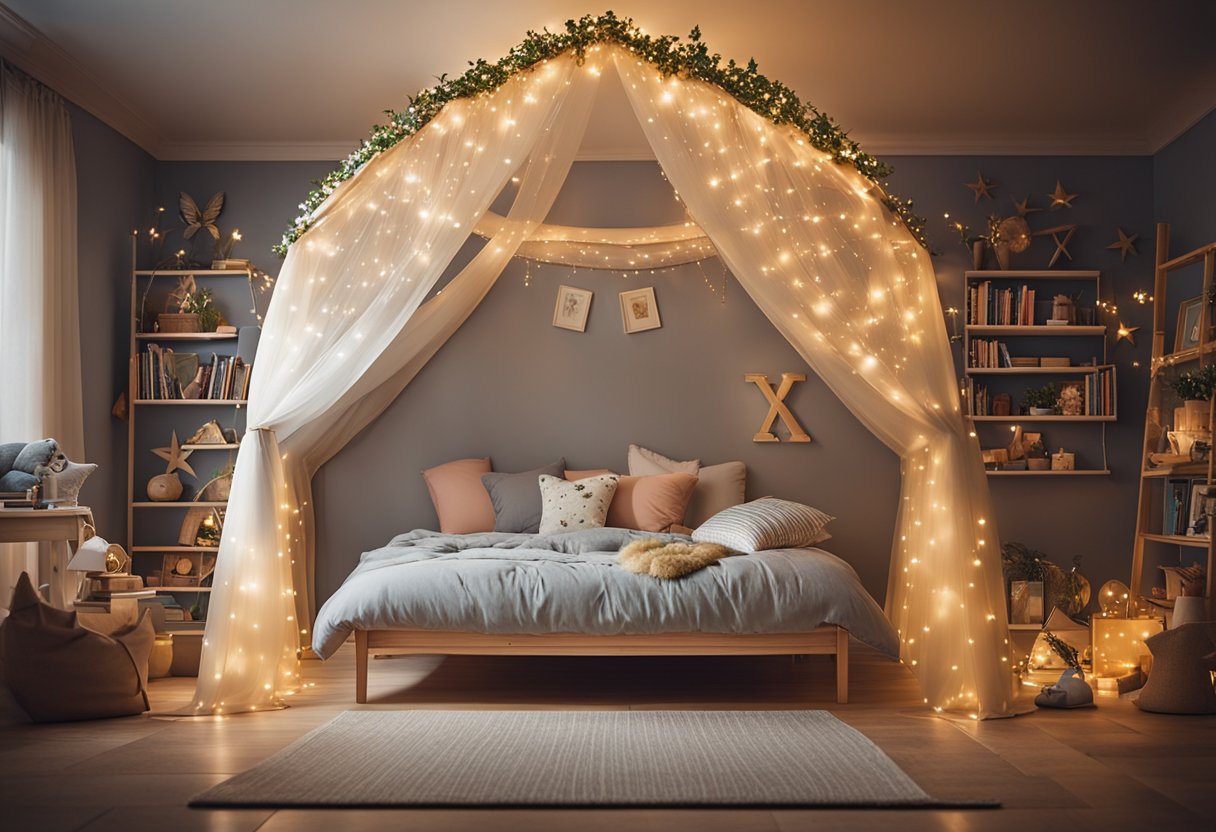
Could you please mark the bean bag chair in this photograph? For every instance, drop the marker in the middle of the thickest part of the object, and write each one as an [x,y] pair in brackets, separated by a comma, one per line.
[1181,679]
[59,671]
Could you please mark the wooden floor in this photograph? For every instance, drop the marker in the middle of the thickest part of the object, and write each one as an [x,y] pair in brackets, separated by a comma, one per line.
[1109,768]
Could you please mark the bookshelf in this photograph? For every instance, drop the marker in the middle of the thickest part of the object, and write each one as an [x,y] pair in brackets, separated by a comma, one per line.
[1166,477]
[156,530]
[1005,324]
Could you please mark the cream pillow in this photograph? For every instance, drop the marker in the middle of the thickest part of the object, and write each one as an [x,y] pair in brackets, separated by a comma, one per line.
[718,486]
[767,523]
[568,506]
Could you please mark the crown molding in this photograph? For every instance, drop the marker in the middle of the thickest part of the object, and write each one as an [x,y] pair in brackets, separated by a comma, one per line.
[223,151]
[36,54]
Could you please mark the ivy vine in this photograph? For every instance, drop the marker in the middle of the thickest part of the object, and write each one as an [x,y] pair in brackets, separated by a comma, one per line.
[689,59]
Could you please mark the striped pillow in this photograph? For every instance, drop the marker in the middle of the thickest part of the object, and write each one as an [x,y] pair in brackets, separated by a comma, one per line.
[767,523]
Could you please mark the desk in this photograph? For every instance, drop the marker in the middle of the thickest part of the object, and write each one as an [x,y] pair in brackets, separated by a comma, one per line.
[59,532]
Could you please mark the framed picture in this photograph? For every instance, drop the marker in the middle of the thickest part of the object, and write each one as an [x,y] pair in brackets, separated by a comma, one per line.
[639,310]
[572,308]
[1190,313]
[1177,502]
[1198,510]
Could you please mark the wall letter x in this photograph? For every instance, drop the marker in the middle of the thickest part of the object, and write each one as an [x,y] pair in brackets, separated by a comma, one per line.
[776,407]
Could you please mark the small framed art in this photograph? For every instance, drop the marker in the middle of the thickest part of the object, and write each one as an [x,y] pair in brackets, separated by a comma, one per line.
[572,308]
[639,310]
[1190,313]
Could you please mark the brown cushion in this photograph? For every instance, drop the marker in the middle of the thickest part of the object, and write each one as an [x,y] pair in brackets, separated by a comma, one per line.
[59,671]
[1181,679]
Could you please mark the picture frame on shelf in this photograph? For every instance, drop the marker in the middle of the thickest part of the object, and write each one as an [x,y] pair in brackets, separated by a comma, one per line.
[572,308]
[1190,316]
[639,310]
[1199,510]
[1177,507]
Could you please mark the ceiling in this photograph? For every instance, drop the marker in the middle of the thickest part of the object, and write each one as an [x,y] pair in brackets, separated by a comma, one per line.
[305,79]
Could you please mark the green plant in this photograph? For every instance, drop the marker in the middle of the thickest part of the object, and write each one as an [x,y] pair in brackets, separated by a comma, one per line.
[202,303]
[1044,396]
[1196,385]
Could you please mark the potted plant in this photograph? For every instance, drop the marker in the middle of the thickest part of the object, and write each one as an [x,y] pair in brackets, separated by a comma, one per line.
[1195,388]
[202,304]
[1041,400]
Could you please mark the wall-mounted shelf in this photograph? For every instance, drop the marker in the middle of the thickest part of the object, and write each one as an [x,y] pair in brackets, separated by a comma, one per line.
[1096,472]
[185,336]
[1029,371]
[173,549]
[1044,418]
[191,401]
[1178,540]
[210,504]
[212,446]
[1039,331]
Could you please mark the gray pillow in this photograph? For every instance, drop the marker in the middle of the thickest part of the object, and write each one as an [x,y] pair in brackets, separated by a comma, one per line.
[41,452]
[516,497]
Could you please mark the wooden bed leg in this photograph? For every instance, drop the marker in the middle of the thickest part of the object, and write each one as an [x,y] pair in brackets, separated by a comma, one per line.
[842,666]
[361,666]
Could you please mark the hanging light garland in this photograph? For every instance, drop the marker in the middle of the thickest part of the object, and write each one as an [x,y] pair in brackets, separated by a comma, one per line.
[692,59]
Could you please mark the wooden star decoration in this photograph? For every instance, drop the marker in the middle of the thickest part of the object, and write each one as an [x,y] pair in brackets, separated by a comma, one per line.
[1125,245]
[982,187]
[175,456]
[1060,197]
[1125,331]
[1023,206]
[1061,242]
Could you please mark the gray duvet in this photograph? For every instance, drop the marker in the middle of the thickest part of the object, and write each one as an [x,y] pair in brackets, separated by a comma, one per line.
[570,583]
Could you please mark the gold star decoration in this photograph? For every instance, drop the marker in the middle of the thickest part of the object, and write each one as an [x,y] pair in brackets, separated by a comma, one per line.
[982,187]
[1060,197]
[175,456]
[1125,245]
[1023,206]
[1061,242]
[1125,331]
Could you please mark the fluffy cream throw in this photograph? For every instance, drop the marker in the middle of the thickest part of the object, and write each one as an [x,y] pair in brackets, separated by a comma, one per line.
[669,560]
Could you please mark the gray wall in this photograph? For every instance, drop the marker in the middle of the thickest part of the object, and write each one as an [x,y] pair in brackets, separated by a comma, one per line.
[1184,181]
[511,386]
[114,195]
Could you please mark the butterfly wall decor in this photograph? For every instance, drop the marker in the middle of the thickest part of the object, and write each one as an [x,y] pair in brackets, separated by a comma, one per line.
[197,220]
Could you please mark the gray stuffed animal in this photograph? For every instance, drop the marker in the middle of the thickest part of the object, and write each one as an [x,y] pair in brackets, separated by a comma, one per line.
[20,461]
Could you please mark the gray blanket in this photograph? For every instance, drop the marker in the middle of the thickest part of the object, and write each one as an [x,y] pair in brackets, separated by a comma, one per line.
[570,583]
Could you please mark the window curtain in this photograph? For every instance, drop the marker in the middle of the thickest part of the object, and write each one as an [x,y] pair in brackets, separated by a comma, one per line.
[39,316]
[808,239]
[346,331]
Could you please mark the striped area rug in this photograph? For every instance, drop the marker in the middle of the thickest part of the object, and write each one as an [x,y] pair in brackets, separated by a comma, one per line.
[575,758]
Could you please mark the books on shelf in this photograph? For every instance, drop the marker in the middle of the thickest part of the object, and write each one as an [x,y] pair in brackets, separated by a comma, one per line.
[225,377]
[980,400]
[990,306]
[1099,392]
[987,353]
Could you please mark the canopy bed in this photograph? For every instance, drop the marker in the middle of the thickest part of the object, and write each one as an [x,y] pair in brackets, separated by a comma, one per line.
[790,205]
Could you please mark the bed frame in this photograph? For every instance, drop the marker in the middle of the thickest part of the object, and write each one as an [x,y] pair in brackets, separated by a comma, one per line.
[828,639]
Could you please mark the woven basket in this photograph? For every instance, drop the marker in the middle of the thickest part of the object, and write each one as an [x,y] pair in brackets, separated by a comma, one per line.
[178,322]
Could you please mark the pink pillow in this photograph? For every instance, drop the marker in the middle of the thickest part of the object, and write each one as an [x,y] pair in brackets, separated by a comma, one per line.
[650,504]
[461,501]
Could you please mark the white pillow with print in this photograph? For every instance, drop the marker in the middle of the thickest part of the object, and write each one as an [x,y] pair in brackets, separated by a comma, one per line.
[568,506]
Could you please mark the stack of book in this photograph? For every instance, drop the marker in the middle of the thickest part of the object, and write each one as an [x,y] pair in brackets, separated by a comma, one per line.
[1100,392]
[225,377]
[987,306]
[987,354]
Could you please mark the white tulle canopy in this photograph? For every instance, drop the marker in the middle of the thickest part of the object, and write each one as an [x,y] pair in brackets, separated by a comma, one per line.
[808,239]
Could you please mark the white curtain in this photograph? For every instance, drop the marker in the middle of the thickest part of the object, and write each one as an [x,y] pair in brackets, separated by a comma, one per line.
[849,288]
[39,315]
[347,330]
[833,270]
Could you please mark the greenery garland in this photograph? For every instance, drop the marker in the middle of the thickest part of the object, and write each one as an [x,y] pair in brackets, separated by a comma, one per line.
[771,99]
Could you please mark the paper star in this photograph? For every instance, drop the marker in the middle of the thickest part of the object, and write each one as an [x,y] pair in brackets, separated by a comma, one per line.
[1125,331]
[982,187]
[1023,206]
[175,456]
[1061,244]
[1060,197]
[1125,245]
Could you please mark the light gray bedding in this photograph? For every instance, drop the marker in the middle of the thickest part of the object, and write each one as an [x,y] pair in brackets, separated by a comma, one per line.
[496,582]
